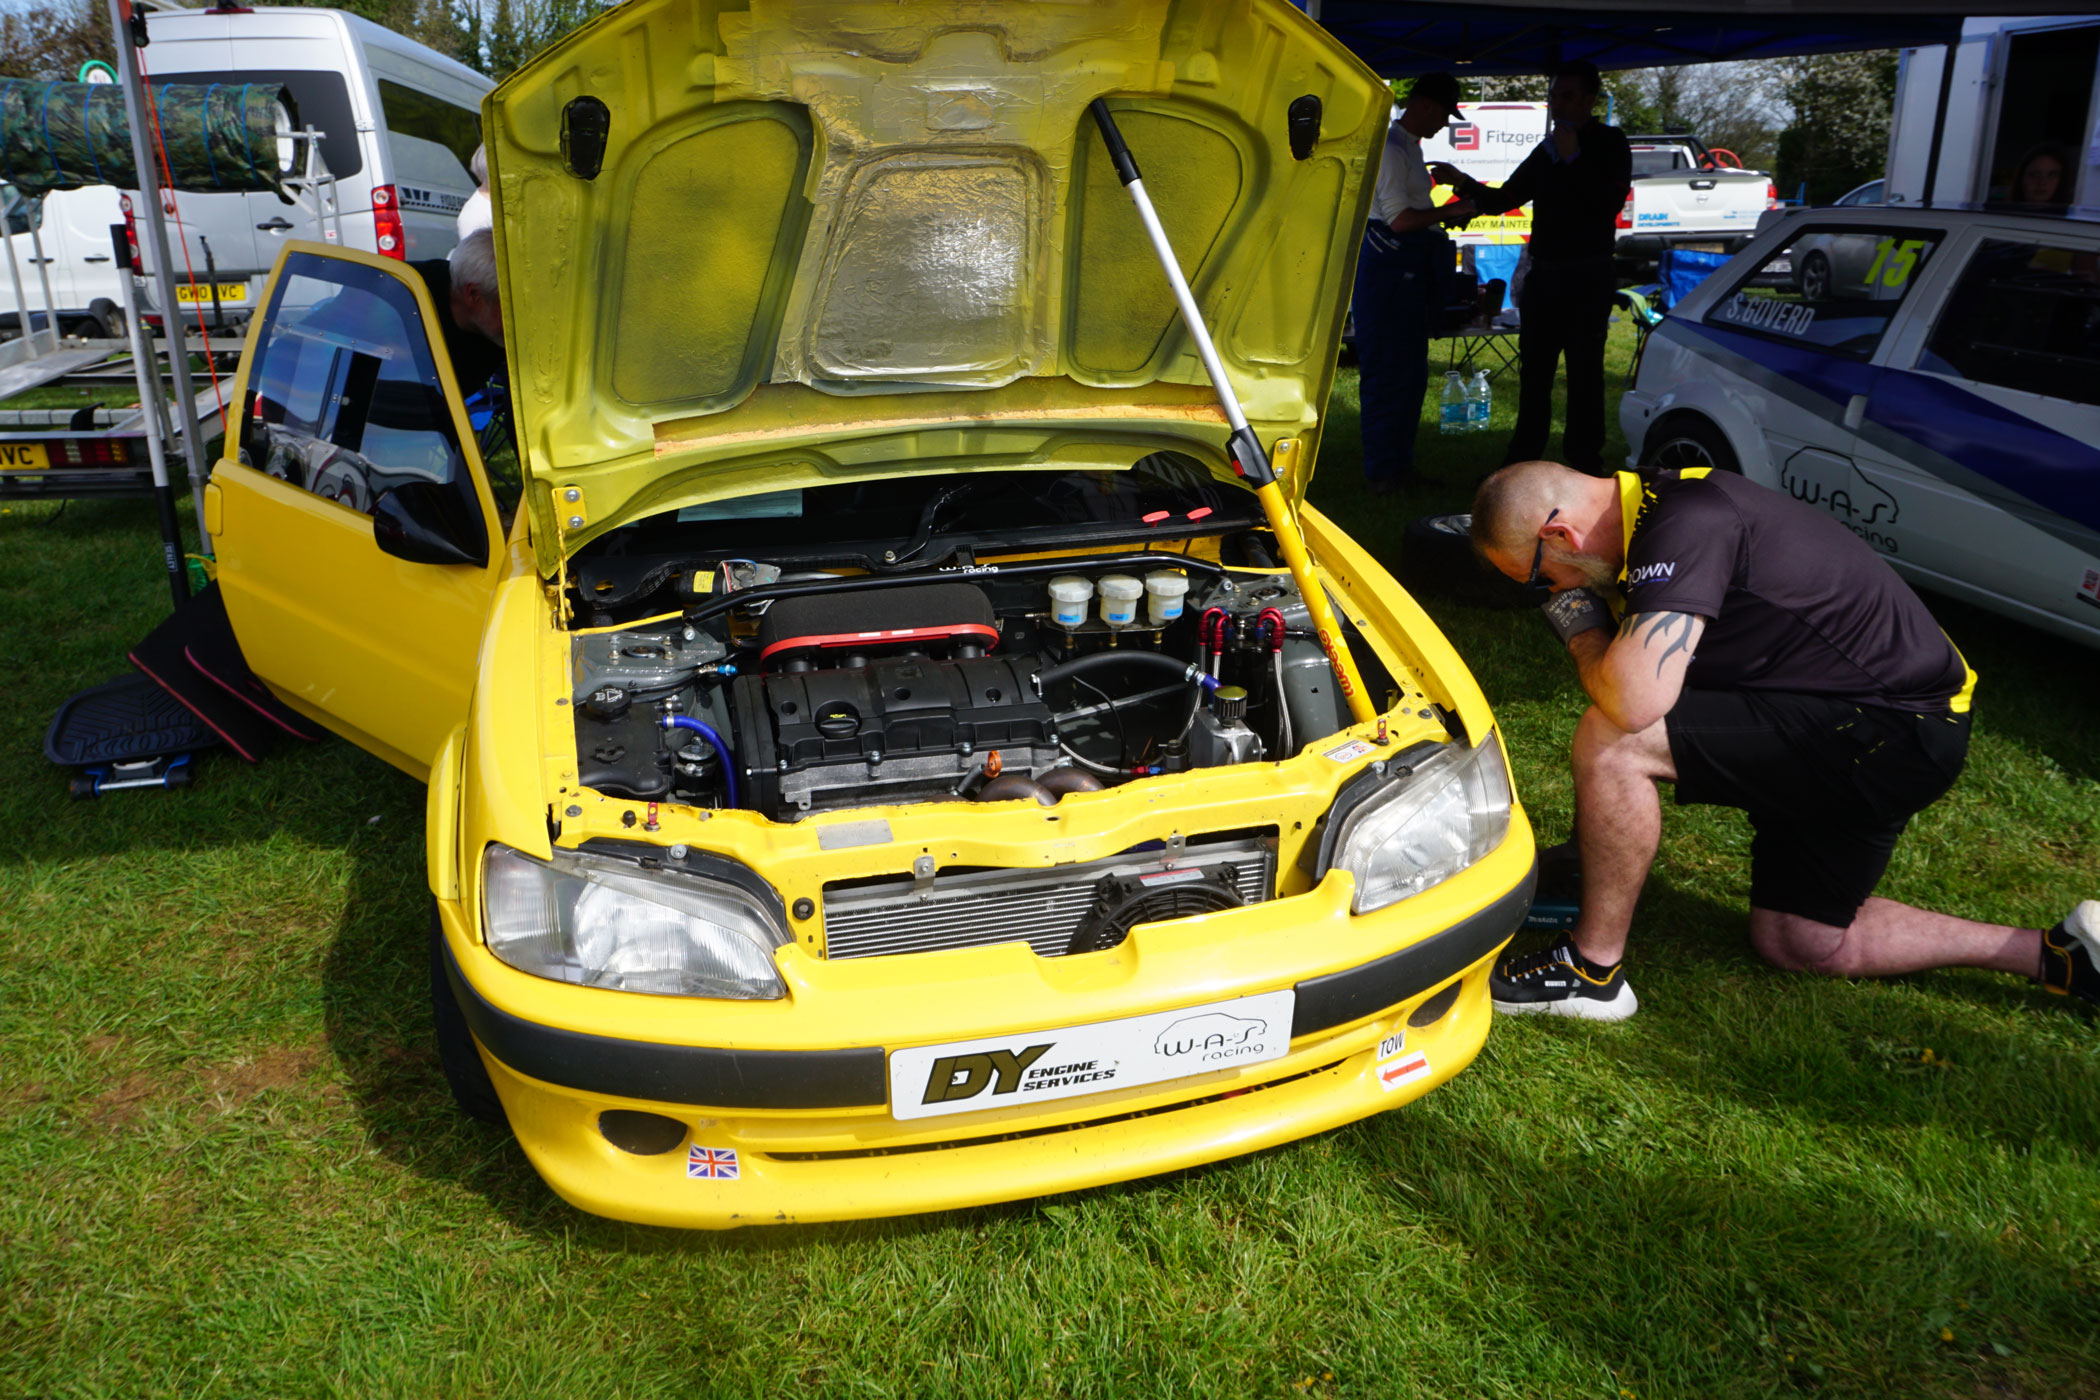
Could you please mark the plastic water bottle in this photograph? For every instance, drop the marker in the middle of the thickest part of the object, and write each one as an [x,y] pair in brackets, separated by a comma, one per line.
[1480,402]
[1455,417]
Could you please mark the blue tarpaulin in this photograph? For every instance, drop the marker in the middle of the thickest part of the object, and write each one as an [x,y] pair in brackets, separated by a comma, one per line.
[1684,268]
[1400,39]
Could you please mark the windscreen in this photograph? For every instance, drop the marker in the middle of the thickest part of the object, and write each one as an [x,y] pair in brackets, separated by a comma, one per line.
[912,519]
[1659,162]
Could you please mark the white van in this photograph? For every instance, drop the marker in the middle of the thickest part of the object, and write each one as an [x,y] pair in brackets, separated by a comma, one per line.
[399,120]
[73,226]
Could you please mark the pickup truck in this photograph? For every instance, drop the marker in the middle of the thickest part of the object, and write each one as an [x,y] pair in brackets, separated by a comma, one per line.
[1686,195]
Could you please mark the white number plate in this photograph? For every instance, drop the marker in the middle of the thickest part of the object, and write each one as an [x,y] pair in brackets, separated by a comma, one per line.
[967,1076]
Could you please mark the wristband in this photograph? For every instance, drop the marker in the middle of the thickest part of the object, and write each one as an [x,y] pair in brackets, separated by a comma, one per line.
[1575,612]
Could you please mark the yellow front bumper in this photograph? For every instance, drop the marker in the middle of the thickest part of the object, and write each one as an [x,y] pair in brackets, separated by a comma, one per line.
[811,1132]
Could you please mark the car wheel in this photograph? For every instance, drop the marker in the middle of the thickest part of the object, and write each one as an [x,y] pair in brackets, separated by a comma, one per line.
[1815,277]
[1686,441]
[472,1089]
[1437,561]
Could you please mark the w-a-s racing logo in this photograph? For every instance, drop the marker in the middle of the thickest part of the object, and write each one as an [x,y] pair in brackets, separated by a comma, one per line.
[1211,1036]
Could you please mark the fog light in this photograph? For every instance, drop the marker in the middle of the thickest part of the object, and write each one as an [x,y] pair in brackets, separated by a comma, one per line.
[643,1134]
[1432,1011]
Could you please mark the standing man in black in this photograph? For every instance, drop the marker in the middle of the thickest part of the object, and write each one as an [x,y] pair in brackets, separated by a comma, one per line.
[1576,182]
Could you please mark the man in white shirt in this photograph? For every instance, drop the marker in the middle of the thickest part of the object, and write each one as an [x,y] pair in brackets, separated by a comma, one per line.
[475,213]
[1401,281]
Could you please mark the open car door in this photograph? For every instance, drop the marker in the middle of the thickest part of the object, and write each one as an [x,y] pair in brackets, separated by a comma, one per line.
[357,538]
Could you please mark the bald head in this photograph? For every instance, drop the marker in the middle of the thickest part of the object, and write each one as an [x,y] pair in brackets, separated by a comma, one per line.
[1574,515]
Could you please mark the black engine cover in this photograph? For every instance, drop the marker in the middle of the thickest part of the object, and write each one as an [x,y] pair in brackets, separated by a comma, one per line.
[895,730]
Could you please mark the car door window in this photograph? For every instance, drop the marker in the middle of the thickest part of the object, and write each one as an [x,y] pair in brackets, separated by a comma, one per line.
[2025,315]
[1836,289]
[344,396]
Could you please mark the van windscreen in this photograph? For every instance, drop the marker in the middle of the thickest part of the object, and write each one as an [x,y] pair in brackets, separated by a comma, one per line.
[323,100]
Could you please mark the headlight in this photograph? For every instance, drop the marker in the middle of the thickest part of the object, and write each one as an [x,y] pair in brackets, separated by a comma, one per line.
[608,923]
[1422,829]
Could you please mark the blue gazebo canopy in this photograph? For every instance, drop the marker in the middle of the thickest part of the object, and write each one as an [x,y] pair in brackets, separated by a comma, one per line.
[1402,37]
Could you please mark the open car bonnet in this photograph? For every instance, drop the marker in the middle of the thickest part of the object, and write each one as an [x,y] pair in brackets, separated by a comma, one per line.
[748,249]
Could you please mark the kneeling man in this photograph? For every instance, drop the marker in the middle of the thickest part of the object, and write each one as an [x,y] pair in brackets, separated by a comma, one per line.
[1763,657]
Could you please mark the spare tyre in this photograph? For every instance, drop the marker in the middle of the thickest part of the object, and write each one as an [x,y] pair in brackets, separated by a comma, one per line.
[1437,561]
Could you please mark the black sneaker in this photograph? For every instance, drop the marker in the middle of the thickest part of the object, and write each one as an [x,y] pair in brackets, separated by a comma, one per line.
[1549,982]
[2071,954]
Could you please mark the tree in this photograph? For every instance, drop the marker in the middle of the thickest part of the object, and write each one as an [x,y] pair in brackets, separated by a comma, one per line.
[50,41]
[1731,106]
[501,36]
[1839,135]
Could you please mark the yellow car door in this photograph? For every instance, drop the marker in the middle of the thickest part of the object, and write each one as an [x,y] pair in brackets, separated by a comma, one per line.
[357,538]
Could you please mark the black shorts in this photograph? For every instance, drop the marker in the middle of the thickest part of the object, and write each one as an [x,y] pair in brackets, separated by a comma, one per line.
[1828,784]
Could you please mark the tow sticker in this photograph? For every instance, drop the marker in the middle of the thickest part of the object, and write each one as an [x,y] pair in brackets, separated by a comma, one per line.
[2089,591]
[1406,1069]
[1342,753]
[712,1163]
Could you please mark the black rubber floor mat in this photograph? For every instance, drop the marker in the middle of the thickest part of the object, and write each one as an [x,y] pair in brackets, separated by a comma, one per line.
[211,648]
[221,691]
[123,721]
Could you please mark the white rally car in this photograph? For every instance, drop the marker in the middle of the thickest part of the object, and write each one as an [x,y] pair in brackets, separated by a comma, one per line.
[1938,391]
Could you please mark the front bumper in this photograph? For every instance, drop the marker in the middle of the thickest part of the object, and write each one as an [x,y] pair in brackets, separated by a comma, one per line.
[813,1138]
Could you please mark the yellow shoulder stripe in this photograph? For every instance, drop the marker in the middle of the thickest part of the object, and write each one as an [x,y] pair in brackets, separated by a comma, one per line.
[1966,696]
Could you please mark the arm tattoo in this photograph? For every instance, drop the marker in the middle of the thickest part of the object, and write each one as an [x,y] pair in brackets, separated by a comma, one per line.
[1673,629]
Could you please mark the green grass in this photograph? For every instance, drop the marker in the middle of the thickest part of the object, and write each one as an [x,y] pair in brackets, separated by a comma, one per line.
[228,1164]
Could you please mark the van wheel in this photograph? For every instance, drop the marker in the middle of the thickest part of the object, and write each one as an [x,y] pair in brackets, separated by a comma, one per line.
[1437,561]
[1688,441]
[106,321]
[465,1074]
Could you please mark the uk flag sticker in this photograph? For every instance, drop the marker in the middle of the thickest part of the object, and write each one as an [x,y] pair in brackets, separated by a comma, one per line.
[714,1163]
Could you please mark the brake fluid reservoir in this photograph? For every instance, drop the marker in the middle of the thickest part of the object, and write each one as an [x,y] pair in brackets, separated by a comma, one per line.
[1119,599]
[1069,595]
[1163,594]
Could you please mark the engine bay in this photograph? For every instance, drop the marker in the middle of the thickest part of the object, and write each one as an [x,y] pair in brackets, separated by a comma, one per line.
[794,694]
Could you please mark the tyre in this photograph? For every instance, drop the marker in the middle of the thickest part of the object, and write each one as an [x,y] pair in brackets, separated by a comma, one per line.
[1437,561]
[1686,440]
[1815,277]
[468,1077]
[180,776]
[83,787]
[106,320]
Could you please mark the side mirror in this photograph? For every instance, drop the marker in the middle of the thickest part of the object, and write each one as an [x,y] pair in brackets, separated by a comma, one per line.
[425,523]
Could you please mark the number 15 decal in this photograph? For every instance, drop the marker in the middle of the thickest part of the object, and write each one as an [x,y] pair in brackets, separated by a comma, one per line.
[1894,262]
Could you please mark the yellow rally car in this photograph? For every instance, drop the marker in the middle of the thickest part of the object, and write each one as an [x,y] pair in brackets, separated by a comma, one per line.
[887,760]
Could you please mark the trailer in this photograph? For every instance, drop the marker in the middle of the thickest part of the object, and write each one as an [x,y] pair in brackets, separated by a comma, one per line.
[92,450]
[2015,86]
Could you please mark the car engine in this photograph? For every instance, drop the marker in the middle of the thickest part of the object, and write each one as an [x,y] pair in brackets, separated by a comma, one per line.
[792,696]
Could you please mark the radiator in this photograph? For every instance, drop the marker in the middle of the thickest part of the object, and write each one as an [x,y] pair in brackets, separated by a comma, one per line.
[1042,907]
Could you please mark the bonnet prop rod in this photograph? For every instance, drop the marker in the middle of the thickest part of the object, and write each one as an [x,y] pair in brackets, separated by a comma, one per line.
[1248,458]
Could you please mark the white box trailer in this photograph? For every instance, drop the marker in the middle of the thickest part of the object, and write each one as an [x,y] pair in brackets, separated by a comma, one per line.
[2015,84]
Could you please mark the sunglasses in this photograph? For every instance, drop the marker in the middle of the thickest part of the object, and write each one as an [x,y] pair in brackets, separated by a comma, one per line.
[1534,583]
